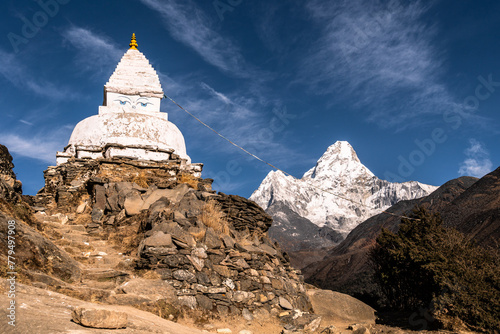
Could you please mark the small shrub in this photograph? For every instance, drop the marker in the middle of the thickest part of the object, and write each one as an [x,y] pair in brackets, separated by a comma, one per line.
[213,216]
[141,180]
[23,212]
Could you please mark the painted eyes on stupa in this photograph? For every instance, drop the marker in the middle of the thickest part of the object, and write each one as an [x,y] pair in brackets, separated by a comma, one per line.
[138,104]
[123,102]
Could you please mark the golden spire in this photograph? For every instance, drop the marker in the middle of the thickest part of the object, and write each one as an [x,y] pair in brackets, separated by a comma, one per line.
[133,43]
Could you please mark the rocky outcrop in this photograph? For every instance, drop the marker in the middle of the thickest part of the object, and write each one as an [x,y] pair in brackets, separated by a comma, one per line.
[34,253]
[211,249]
[67,184]
[10,187]
[216,271]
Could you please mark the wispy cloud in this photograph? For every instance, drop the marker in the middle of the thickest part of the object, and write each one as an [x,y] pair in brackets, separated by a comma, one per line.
[26,122]
[41,147]
[220,96]
[381,54]
[95,52]
[188,24]
[242,118]
[14,71]
[477,162]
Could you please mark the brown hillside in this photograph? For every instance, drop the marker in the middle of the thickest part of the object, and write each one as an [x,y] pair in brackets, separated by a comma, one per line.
[345,268]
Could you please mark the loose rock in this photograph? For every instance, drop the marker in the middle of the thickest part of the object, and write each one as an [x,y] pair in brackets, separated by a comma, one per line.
[99,318]
[285,304]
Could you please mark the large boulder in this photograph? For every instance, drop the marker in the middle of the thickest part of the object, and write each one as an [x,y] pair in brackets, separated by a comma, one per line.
[336,307]
[99,318]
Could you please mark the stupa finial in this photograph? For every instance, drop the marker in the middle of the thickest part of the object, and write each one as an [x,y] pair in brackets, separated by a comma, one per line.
[133,43]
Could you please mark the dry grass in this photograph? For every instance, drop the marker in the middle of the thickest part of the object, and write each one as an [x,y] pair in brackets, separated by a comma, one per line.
[4,269]
[199,234]
[189,179]
[141,179]
[161,308]
[20,211]
[246,240]
[148,274]
[3,286]
[110,175]
[128,236]
[213,216]
[83,219]
[5,207]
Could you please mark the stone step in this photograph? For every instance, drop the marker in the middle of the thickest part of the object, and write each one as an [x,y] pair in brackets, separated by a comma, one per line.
[102,243]
[127,299]
[66,231]
[54,225]
[58,218]
[108,285]
[74,251]
[76,228]
[81,246]
[78,237]
[102,262]
[100,274]
[88,293]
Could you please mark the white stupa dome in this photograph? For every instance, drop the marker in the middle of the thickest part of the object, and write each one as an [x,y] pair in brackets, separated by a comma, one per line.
[129,123]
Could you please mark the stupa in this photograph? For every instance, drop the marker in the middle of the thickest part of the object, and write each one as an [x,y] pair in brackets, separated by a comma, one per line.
[130,123]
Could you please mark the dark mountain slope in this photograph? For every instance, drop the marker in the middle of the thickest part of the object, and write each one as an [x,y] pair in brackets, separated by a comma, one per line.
[346,267]
[476,212]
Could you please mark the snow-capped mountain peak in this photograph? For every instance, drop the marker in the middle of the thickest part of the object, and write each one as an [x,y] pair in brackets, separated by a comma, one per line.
[341,150]
[338,193]
[339,163]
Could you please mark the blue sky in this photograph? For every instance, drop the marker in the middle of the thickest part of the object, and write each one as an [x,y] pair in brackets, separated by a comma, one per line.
[413,86]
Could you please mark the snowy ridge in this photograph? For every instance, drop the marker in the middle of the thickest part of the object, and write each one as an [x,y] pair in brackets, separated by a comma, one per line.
[338,171]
